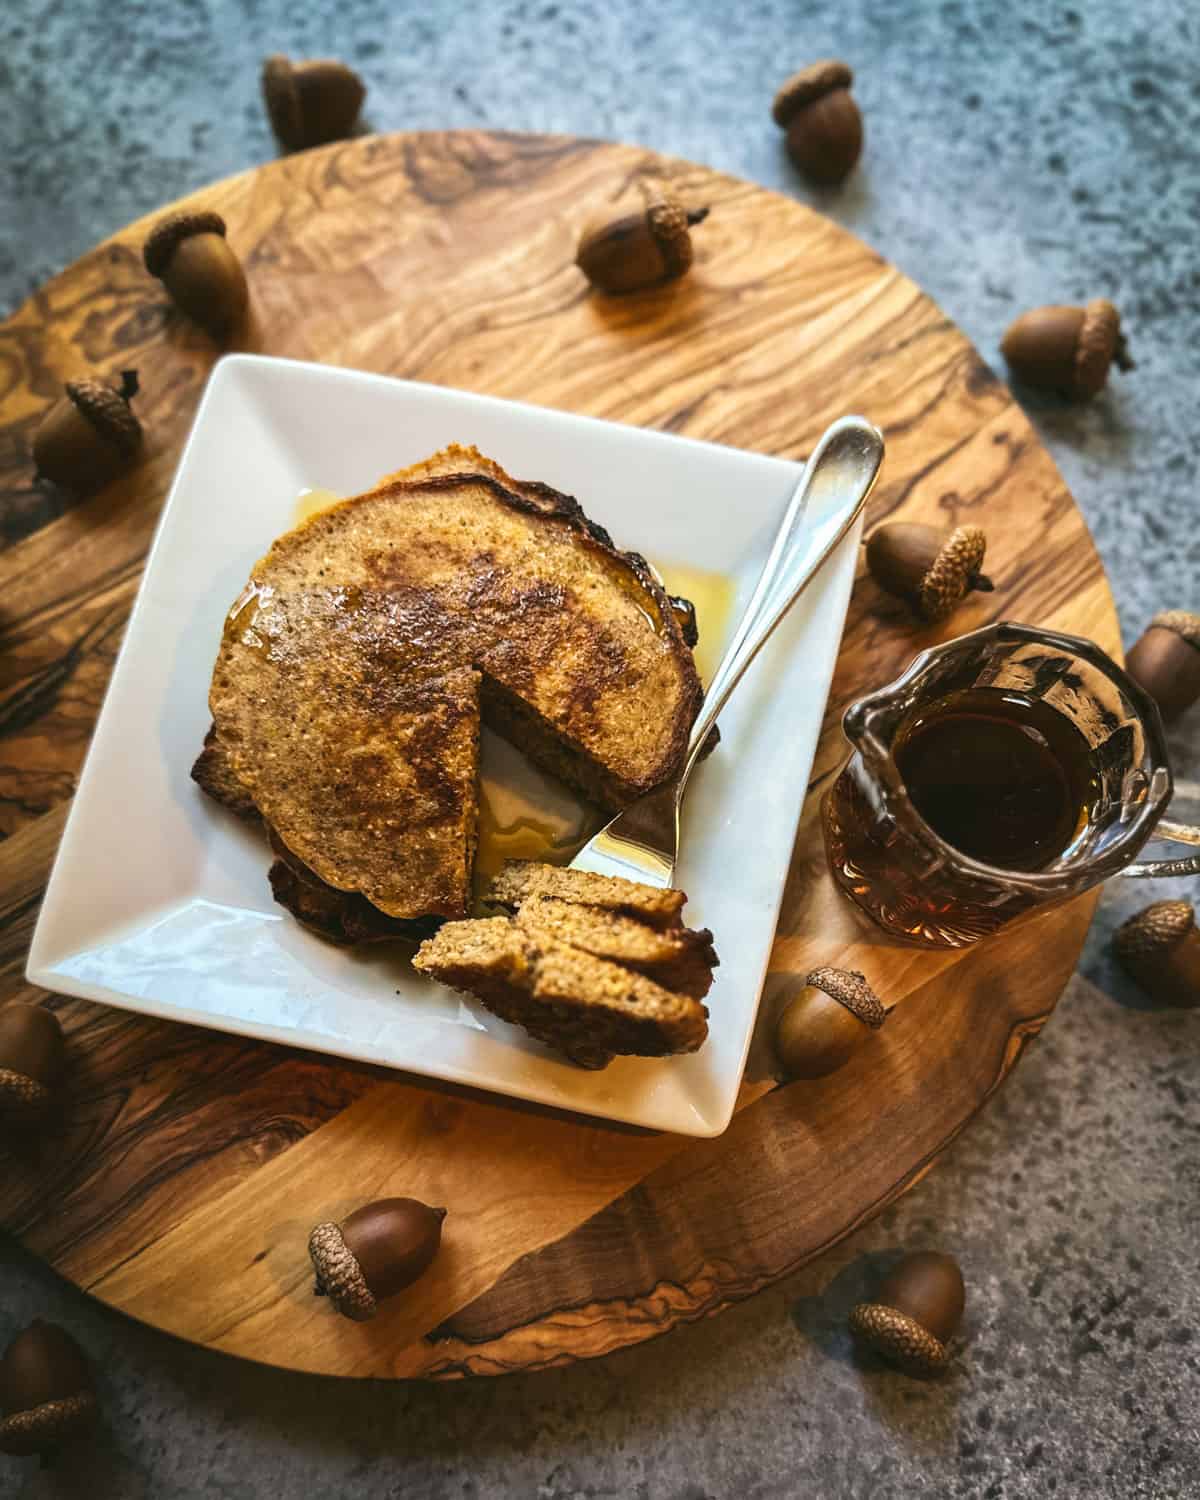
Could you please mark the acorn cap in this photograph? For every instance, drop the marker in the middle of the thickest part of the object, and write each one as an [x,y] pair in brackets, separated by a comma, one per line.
[808,85]
[1155,930]
[45,1390]
[1182,622]
[312,102]
[899,1338]
[953,573]
[850,988]
[22,1098]
[48,1426]
[1100,342]
[107,409]
[339,1276]
[167,233]
[668,222]
[282,99]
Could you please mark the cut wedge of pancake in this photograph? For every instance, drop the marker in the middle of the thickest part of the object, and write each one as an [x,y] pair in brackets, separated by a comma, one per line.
[585,1007]
[583,970]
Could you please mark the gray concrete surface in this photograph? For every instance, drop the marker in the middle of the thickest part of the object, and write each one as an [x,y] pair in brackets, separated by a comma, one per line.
[1016,153]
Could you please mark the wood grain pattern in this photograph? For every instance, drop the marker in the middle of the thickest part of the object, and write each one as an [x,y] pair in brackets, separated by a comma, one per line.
[449,258]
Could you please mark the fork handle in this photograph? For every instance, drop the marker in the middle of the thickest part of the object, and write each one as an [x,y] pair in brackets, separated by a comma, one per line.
[840,473]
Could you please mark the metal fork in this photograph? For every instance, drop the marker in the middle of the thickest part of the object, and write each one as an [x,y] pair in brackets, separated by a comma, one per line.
[642,843]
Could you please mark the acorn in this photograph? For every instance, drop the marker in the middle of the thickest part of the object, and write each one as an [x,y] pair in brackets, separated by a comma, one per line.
[820,1028]
[311,102]
[32,1055]
[46,1391]
[931,570]
[915,1314]
[1067,349]
[641,248]
[1165,660]
[89,435]
[824,127]
[1159,947]
[191,257]
[378,1251]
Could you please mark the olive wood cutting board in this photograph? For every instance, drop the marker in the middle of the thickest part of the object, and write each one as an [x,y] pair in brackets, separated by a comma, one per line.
[188,1166]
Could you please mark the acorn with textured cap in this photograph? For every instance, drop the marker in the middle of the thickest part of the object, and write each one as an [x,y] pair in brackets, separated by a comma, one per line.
[89,435]
[191,257]
[915,1313]
[1159,947]
[1067,349]
[1165,660]
[823,123]
[32,1055]
[824,1025]
[374,1253]
[931,570]
[311,103]
[46,1392]
[641,247]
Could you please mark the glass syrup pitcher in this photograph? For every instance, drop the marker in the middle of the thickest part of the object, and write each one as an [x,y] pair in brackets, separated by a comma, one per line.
[1003,772]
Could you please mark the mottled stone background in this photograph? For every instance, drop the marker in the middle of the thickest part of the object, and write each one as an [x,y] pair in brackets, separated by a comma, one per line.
[1018,152]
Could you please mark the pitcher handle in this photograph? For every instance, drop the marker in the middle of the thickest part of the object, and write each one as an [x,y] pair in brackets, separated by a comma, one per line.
[1187,792]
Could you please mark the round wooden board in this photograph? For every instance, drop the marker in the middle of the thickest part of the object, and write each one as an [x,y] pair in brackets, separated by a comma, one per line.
[189,1166]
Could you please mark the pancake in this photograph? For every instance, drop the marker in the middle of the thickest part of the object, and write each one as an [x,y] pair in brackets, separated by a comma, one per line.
[356,666]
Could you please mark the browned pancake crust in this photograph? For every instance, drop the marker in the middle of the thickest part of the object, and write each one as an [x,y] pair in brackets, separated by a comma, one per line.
[213,773]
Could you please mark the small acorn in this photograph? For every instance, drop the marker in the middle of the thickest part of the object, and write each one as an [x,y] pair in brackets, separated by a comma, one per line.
[89,435]
[1159,947]
[1067,349]
[191,257]
[829,1019]
[46,1391]
[931,570]
[824,127]
[1165,660]
[312,102]
[915,1313]
[32,1054]
[378,1251]
[640,248]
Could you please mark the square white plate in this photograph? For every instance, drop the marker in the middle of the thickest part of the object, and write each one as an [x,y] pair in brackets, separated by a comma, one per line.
[158,901]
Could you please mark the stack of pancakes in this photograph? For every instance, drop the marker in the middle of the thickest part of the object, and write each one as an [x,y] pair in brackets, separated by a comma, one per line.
[357,665]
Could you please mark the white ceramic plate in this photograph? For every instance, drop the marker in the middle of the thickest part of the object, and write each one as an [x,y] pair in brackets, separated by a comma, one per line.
[158,901]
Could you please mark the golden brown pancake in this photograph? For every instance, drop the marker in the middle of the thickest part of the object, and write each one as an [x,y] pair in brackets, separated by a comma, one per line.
[355,667]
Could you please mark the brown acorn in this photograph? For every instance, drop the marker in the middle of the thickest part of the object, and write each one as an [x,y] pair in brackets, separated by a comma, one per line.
[46,1391]
[377,1251]
[931,570]
[1159,947]
[89,435]
[1067,349]
[829,1019]
[915,1313]
[823,124]
[640,248]
[1165,660]
[32,1055]
[191,257]
[311,102]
